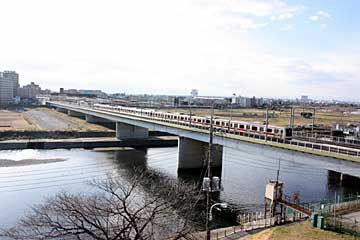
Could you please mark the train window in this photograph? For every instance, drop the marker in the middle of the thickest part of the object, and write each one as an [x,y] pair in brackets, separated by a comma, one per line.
[261,129]
[254,128]
[269,130]
[276,130]
[208,121]
[247,127]
[181,118]
[199,120]
[217,123]
[242,126]
[227,124]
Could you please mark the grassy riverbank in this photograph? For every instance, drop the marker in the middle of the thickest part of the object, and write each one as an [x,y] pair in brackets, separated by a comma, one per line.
[297,231]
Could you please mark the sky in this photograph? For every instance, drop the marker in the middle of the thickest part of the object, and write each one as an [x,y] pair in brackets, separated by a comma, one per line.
[264,48]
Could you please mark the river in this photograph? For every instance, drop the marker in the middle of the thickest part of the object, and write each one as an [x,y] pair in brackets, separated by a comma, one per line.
[244,174]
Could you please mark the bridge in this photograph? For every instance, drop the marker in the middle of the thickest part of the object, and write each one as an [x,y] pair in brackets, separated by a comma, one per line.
[193,141]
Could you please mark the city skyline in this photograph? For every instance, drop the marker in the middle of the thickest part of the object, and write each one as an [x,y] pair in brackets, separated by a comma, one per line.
[264,48]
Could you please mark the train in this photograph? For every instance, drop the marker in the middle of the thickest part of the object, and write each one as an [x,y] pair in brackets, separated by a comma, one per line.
[219,125]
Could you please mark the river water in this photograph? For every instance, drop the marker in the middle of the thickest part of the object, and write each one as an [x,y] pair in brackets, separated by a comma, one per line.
[244,174]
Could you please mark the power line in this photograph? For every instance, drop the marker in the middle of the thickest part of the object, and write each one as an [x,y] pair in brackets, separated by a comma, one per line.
[52,177]
[309,167]
[274,169]
[44,170]
[44,182]
[65,169]
[55,171]
[43,187]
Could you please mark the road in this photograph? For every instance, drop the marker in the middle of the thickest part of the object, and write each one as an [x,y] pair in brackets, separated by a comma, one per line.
[47,121]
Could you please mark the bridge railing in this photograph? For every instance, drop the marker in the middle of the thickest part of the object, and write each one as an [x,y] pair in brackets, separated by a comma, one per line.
[224,130]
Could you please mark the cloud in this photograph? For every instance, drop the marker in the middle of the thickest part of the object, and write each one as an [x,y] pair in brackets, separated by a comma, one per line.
[320,16]
[163,46]
[287,13]
[305,73]
[249,14]
[287,27]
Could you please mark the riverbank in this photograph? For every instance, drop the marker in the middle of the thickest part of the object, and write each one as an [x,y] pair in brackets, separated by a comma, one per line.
[57,134]
[27,162]
[296,231]
[88,143]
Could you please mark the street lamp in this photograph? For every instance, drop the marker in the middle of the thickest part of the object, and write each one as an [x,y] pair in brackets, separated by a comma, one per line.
[210,217]
[222,205]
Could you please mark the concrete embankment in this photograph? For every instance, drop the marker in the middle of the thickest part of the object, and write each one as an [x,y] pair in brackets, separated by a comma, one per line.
[58,134]
[88,143]
[63,134]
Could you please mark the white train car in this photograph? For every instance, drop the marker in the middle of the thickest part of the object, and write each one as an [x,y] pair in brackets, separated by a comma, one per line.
[220,125]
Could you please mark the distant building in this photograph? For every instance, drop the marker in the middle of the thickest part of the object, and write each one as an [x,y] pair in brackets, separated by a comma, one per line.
[61,90]
[9,82]
[243,102]
[194,93]
[46,92]
[29,91]
[233,99]
[6,91]
[304,99]
[14,78]
[97,93]
[71,91]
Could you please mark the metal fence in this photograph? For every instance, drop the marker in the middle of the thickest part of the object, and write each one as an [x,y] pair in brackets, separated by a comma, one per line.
[340,204]
[333,211]
[342,224]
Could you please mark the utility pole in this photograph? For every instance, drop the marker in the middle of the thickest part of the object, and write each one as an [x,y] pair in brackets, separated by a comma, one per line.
[267,122]
[230,118]
[190,113]
[291,114]
[313,122]
[208,196]
[292,117]
[231,106]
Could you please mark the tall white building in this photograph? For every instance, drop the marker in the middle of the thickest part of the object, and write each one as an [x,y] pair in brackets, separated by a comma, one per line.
[9,83]
[14,78]
[6,90]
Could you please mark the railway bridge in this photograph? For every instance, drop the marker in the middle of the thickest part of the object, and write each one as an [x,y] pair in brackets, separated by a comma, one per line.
[193,141]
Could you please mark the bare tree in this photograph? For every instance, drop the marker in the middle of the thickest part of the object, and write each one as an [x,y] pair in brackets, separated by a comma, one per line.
[144,207]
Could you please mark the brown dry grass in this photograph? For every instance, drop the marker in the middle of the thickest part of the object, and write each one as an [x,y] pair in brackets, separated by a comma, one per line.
[328,116]
[79,123]
[11,120]
[299,231]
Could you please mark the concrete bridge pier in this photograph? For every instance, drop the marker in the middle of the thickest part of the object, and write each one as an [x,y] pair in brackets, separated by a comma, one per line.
[338,178]
[93,119]
[193,154]
[127,131]
[75,114]
[62,110]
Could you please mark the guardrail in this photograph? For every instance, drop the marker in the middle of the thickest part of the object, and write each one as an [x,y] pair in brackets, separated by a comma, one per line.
[338,150]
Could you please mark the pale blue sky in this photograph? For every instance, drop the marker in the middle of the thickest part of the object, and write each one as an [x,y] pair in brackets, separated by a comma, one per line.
[265,48]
